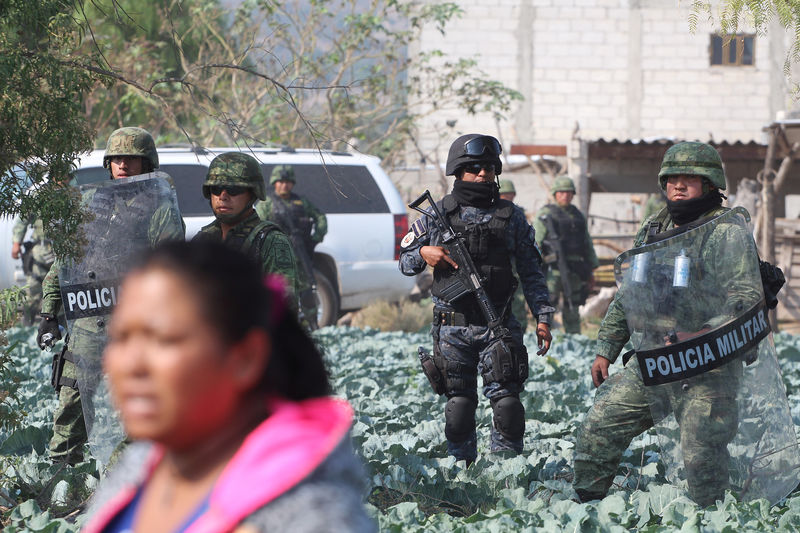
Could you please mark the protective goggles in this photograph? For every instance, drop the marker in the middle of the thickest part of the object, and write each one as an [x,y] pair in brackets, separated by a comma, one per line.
[233,190]
[484,145]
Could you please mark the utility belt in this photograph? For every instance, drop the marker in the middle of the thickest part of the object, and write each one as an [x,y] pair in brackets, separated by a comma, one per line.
[473,317]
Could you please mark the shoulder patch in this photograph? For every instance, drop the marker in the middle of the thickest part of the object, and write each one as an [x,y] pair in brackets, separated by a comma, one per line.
[408,240]
[419,228]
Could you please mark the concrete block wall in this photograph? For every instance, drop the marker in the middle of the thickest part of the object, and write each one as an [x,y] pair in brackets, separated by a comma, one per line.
[623,69]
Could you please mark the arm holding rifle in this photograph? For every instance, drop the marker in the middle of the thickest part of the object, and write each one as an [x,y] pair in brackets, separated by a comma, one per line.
[553,242]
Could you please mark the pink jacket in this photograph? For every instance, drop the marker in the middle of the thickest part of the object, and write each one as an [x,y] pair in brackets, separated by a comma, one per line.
[282,452]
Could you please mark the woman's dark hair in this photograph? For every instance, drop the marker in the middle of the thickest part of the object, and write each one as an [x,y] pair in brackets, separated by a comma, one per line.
[236,298]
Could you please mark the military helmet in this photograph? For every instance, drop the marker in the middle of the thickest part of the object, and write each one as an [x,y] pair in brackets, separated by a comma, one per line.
[507,186]
[235,168]
[474,148]
[694,159]
[562,183]
[133,142]
[282,173]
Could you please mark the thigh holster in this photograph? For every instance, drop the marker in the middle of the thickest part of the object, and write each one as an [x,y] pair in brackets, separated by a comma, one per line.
[57,379]
[509,362]
[431,371]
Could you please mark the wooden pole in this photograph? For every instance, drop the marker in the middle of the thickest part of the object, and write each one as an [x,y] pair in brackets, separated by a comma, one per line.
[763,177]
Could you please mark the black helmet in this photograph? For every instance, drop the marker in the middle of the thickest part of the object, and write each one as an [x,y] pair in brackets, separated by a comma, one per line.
[473,148]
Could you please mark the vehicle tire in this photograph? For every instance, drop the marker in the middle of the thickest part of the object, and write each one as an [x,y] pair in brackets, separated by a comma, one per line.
[327,300]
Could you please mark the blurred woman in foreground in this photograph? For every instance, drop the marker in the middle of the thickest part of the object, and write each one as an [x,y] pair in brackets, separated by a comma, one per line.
[231,398]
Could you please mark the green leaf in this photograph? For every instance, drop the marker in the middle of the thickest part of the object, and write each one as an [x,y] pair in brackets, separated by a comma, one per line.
[23,441]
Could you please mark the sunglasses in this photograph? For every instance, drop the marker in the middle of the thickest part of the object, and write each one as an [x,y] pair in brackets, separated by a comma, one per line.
[475,168]
[482,145]
[233,190]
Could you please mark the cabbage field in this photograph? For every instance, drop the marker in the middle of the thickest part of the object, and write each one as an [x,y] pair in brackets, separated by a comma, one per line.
[399,432]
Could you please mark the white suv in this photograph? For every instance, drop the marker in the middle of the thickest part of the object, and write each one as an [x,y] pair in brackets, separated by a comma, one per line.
[356,263]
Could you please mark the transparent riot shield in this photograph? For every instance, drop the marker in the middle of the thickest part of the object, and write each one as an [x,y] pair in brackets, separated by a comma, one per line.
[125,217]
[695,309]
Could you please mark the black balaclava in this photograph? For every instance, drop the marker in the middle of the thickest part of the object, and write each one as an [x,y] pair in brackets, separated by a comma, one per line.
[684,211]
[475,194]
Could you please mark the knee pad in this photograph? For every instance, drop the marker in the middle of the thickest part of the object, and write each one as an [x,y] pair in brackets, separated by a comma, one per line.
[509,417]
[459,416]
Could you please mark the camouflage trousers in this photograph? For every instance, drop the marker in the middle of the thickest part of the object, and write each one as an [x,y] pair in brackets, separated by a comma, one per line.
[74,417]
[571,318]
[706,413]
[69,430]
[33,293]
[466,351]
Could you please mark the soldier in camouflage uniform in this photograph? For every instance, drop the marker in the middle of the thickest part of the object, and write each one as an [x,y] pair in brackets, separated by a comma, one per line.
[37,261]
[233,184]
[572,233]
[692,177]
[129,152]
[509,193]
[655,203]
[496,233]
[305,225]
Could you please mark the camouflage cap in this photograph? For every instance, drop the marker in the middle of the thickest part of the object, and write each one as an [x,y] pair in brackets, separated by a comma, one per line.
[693,159]
[562,183]
[507,186]
[282,173]
[131,141]
[235,168]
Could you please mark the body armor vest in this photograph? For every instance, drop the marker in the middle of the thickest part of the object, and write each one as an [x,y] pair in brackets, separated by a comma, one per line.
[291,216]
[487,247]
[570,226]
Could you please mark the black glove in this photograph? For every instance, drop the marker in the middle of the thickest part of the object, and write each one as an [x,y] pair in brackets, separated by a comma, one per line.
[772,279]
[48,331]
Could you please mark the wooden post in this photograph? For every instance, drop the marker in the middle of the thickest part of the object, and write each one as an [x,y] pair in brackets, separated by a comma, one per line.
[766,175]
[578,165]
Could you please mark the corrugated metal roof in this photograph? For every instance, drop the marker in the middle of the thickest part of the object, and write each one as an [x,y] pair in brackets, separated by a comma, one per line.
[655,148]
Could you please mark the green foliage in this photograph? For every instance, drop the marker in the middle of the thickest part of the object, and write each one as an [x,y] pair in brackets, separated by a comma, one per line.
[399,433]
[39,493]
[323,73]
[42,127]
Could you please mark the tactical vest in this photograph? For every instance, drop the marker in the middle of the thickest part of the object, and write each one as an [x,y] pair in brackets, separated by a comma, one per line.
[291,215]
[252,244]
[487,246]
[570,226]
[249,245]
[657,225]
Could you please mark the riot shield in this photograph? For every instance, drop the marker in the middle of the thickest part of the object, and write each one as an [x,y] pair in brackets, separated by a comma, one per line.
[124,217]
[695,309]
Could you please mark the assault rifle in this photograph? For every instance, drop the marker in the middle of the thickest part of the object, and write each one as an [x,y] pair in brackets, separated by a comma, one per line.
[467,280]
[555,244]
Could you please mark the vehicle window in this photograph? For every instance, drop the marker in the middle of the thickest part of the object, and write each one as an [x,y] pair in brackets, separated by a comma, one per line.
[188,181]
[189,186]
[342,189]
[89,175]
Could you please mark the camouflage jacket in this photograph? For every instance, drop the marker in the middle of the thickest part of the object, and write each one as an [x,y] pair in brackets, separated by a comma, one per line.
[20,228]
[163,225]
[273,251]
[42,249]
[724,243]
[278,210]
[588,255]
[520,243]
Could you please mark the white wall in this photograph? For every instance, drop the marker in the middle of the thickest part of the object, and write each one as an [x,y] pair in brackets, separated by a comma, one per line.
[621,69]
